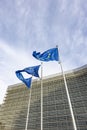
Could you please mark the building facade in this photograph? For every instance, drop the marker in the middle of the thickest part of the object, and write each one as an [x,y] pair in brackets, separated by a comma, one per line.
[56,112]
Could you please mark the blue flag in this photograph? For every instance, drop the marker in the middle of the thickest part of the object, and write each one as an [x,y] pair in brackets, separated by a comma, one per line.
[27,81]
[30,70]
[49,55]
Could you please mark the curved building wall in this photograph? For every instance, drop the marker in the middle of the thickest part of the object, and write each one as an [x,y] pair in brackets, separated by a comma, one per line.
[56,113]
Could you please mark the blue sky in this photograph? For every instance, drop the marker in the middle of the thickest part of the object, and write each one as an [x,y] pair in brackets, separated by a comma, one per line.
[28,25]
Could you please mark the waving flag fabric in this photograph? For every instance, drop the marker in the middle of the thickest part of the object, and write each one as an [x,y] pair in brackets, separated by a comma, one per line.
[26,81]
[30,70]
[49,55]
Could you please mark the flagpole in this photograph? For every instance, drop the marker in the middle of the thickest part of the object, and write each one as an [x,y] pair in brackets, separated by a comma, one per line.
[41,95]
[68,96]
[29,100]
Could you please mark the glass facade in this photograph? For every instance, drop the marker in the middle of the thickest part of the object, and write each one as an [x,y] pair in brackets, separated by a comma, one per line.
[56,112]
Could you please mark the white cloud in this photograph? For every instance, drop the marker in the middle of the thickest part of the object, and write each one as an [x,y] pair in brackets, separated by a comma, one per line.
[6,48]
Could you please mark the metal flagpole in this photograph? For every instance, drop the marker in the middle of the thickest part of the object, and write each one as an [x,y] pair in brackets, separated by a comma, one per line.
[41,96]
[28,108]
[68,96]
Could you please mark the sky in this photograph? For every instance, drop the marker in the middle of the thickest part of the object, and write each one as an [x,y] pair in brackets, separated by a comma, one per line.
[31,25]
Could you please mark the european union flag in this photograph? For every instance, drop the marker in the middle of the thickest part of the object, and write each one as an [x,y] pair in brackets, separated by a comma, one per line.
[27,81]
[30,70]
[49,55]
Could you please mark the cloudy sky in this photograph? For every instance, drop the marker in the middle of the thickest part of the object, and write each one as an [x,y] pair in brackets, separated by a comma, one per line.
[29,25]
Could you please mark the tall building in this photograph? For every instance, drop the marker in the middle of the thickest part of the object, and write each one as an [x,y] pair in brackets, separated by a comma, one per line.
[56,112]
